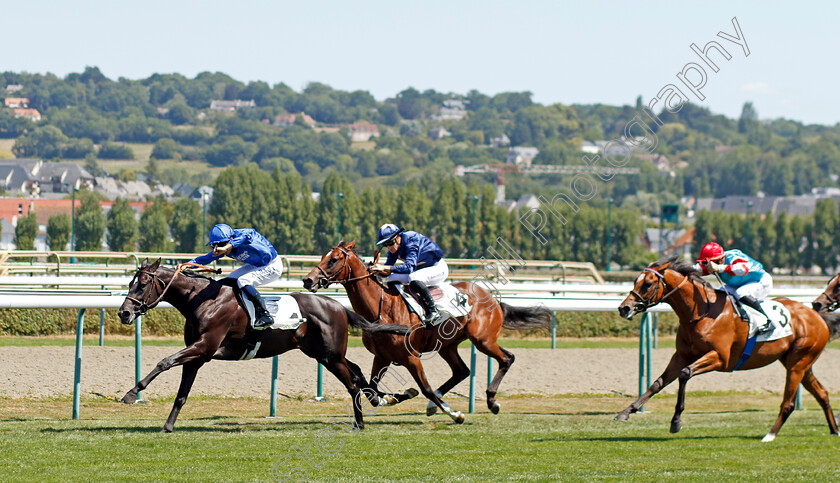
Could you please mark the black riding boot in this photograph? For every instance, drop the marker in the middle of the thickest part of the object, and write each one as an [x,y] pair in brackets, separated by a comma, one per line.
[431,311]
[262,319]
[750,301]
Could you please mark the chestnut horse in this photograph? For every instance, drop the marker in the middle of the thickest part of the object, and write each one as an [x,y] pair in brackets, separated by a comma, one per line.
[829,300]
[217,328]
[375,301]
[711,337]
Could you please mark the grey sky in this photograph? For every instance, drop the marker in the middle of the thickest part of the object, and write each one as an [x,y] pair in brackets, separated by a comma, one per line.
[582,52]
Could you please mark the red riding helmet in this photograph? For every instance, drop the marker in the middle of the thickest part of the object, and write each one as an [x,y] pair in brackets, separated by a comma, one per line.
[710,251]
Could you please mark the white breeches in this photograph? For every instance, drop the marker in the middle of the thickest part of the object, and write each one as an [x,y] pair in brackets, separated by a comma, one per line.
[256,276]
[434,275]
[758,290]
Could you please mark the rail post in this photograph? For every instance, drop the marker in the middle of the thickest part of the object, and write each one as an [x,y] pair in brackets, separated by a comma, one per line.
[272,411]
[489,371]
[101,327]
[642,346]
[553,329]
[77,372]
[472,378]
[138,345]
[320,396]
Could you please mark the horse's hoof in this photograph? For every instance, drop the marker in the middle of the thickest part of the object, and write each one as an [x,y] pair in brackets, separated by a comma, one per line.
[769,437]
[622,417]
[431,409]
[166,430]
[389,400]
[411,393]
[494,407]
[458,417]
[676,426]
[359,426]
[129,398]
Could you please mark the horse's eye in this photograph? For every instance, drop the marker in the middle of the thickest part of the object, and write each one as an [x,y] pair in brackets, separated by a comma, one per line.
[332,262]
[645,285]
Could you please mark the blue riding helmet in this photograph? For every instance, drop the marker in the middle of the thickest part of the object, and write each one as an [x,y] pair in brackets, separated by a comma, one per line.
[388,232]
[220,233]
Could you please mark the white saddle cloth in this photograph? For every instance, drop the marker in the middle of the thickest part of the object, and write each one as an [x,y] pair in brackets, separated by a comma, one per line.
[449,301]
[779,318]
[284,310]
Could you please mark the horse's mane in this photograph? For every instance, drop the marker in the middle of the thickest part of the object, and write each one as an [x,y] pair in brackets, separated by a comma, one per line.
[683,267]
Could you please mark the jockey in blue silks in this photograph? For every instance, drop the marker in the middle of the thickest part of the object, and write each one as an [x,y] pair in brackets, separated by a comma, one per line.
[262,265]
[424,265]
[742,276]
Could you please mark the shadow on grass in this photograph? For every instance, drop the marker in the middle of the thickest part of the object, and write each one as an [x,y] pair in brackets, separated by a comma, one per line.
[644,439]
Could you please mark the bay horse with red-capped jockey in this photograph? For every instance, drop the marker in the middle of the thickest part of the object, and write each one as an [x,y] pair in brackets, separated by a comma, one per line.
[375,301]
[712,337]
[217,327]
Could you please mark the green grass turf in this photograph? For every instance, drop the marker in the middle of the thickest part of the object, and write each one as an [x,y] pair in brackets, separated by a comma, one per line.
[534,438]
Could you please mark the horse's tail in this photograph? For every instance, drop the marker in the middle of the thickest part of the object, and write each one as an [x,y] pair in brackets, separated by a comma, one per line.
[357,320]
[525,317]
[833,322]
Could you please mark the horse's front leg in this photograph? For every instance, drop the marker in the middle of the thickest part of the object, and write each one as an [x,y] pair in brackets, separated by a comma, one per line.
[671,372]
[187,379]
[377,373]
[203,349]
[711,361]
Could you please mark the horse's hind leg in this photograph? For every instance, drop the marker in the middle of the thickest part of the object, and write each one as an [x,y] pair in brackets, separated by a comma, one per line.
[505,359]
[821,395]
[415,368]
[795,374]
[671,372]
[187,378]
[460,371]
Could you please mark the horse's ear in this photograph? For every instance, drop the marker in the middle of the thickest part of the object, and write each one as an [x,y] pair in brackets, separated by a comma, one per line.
[155,265]
[144,263]
[351,245]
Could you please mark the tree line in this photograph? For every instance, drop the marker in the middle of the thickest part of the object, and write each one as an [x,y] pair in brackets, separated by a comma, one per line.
[784,242]
[87,115]
[463,219]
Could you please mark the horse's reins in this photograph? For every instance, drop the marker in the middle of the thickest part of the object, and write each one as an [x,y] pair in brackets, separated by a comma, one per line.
[331,280]
[647,303]
[145,307]
[345,266]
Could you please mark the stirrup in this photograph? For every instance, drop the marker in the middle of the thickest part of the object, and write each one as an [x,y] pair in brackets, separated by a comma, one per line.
[768,327]
[263,322]
[432,319]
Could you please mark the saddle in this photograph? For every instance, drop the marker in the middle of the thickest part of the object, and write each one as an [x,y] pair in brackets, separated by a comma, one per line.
[779,317]
[449,301]
[283,309]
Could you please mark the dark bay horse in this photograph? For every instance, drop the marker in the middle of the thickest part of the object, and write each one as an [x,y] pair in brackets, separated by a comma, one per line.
[217,327]
[711,337]
[375,301]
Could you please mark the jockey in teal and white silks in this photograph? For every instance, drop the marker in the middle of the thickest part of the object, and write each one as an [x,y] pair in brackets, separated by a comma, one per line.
[742,276]
[262,265]
[424,264]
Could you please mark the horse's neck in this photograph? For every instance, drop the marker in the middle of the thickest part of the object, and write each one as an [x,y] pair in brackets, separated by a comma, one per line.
[178,294]
[365,295]
[684,300]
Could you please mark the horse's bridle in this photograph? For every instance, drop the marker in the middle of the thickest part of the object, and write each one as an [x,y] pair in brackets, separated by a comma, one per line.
[645,304]
[329,280]
[832,303]
[143,306]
